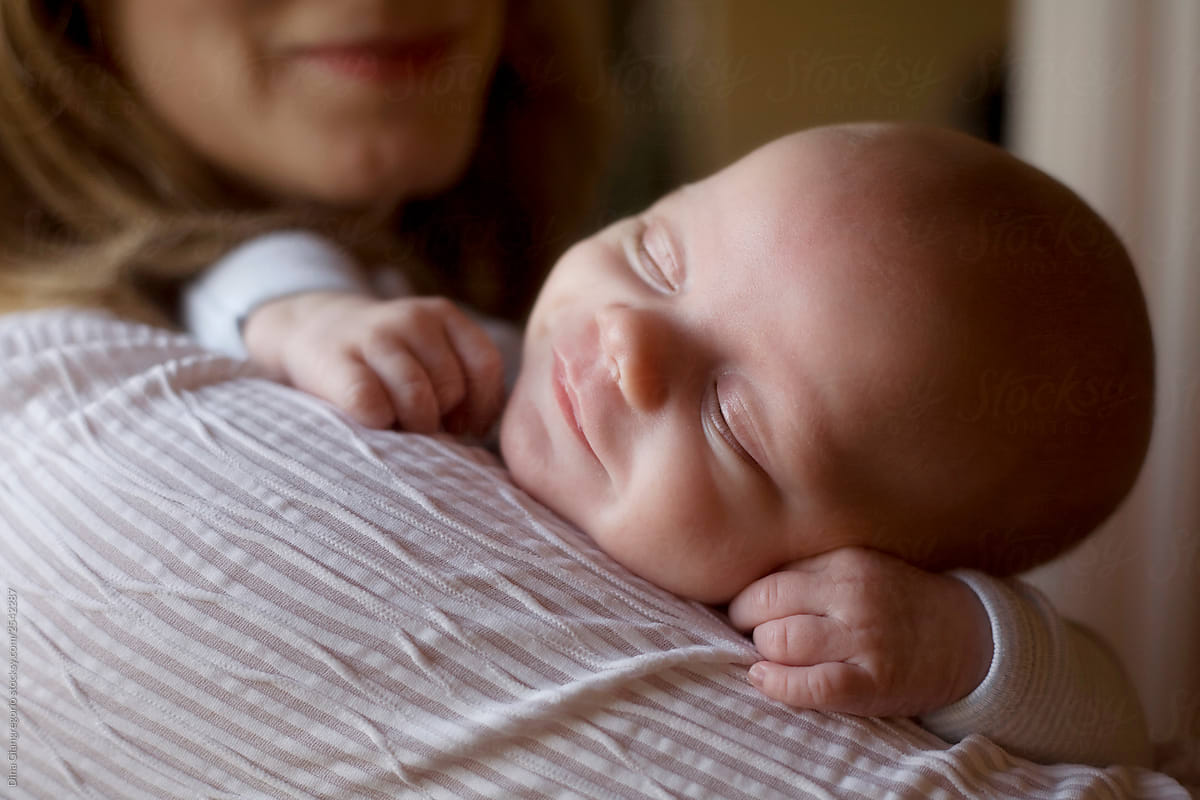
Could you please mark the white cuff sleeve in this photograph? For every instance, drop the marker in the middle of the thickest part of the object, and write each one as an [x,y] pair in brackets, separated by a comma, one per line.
[1053,692]
[265,268]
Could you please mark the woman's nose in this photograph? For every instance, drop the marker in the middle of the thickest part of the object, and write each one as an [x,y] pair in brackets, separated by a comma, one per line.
[637,344]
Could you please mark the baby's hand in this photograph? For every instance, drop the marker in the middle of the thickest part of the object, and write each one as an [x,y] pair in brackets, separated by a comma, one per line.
[858,631]
[419,362]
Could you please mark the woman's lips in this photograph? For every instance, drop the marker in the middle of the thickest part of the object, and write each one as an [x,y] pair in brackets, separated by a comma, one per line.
[568,401]
[380,60]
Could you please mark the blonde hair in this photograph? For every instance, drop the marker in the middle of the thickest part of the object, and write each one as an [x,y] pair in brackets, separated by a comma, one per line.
[101,205]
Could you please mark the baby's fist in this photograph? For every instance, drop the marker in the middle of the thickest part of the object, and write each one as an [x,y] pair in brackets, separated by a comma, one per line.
[419,363]
[862,632]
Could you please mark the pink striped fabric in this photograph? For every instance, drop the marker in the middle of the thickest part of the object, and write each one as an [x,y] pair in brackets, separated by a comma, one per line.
[217,587]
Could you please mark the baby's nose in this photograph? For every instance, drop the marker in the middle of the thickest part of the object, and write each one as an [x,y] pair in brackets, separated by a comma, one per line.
[637,344]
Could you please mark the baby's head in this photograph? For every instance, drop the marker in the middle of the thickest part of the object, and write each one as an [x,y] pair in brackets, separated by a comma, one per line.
[874,335]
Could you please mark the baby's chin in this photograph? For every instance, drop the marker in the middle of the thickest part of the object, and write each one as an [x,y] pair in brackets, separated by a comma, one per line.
[660,560]
[656,557]
[523,462]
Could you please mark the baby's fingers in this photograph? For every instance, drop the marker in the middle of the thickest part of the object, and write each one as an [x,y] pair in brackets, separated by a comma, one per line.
[830,686]
[408,388]
[348,383]
[411,347]
[779,594]
[483,371]
[802,640]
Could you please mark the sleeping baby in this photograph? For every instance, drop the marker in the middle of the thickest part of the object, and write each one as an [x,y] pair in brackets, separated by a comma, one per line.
[807,387]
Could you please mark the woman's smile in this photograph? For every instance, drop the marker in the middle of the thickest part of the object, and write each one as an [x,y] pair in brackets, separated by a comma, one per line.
[381,60]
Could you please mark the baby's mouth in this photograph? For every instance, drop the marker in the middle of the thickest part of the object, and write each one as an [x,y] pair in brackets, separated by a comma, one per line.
[567,399]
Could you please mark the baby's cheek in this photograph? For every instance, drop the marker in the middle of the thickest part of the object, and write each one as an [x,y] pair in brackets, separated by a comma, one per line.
[671,551]
[527,452]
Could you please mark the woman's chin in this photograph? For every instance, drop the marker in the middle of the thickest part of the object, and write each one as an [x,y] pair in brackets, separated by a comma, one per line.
[366,175]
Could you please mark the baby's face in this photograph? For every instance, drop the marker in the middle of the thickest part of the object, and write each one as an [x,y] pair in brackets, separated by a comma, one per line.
[697,379]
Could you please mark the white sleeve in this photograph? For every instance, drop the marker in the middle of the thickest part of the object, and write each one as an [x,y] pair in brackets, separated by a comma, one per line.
[1053,693]
[265,268]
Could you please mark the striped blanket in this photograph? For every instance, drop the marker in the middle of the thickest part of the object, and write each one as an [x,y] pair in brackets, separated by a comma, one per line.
[217,587]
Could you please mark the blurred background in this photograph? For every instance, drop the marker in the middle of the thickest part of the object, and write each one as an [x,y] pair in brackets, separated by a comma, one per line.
[1102,94]
[699,83]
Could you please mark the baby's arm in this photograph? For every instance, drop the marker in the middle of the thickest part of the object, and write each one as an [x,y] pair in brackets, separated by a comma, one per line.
[217,304]
[858,631]
[298,307]
[1054,692]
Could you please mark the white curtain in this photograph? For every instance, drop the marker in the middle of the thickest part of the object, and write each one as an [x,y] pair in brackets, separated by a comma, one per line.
[1106,97]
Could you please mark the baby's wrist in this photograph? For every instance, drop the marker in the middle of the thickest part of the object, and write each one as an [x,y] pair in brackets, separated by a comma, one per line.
[270,327]
[264,330]
[977,642]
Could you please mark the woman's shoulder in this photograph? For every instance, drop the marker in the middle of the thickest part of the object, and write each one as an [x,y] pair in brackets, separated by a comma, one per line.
[26,333]
[56,359]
